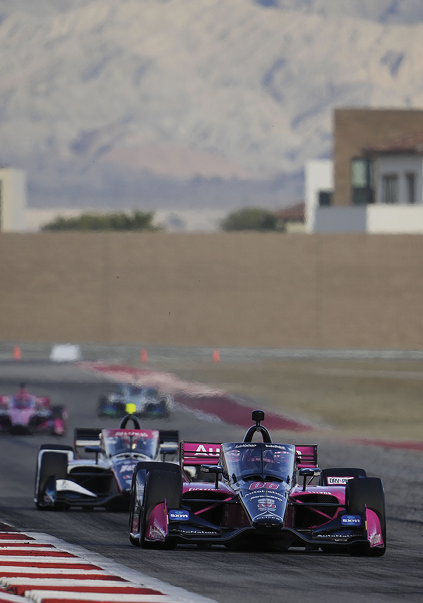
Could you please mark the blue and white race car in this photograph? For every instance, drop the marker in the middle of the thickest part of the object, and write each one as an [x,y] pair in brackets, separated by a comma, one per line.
[66,478]
[127,398]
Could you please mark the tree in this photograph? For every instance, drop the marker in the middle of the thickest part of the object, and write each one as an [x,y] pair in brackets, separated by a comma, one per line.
[252,218]
[110,222]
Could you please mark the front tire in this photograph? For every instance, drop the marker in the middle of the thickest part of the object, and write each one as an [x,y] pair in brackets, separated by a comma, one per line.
[60,420]
[367,492]
[53,464]
[159,486]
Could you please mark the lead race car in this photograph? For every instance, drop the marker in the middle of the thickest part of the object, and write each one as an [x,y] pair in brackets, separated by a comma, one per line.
[23,413]
[129,398]
[65,479]
[262,497]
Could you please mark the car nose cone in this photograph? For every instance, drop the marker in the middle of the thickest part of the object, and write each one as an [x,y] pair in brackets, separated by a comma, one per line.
[267,523]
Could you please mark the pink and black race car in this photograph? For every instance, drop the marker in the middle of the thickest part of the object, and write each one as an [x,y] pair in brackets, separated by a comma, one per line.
[263,497]
[24,413]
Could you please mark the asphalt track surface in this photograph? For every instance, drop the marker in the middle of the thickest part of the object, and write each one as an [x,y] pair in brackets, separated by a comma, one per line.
[222,575]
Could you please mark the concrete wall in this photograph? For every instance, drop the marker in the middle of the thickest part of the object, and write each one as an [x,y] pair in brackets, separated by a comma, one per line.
[275,290]
[355,129]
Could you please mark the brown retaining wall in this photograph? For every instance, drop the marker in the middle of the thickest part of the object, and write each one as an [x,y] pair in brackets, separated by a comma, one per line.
[244,289]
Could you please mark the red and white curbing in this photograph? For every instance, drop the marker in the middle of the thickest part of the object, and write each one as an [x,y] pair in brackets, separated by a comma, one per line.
[39,568]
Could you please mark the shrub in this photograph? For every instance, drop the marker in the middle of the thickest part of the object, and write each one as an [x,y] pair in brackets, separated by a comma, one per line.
[138,220]
[251,218]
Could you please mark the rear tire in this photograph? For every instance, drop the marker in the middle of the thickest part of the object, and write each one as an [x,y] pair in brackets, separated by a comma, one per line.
[52,464]
[159,486]
[368,491]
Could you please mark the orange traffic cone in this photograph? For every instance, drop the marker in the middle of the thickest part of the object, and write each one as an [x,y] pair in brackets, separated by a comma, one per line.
[144,356]
[17,353]
[216,356]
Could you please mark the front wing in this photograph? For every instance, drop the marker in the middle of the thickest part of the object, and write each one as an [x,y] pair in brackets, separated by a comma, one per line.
[185,527]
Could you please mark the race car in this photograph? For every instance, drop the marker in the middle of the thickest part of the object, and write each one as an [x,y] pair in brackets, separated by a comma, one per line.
[64,478]
[24,413]
[263,497]
[127,398]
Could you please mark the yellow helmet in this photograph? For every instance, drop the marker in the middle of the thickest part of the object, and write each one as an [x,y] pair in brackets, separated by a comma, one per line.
[130,408]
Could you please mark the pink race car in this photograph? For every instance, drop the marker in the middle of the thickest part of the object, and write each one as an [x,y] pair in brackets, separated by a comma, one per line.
[24,413]
[263,496]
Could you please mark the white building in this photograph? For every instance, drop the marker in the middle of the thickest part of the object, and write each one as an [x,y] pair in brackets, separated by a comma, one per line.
[12,200]
[387,191]
[318,190]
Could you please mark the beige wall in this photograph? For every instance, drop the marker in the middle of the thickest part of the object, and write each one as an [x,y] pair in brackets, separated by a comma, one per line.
[223,289]
[355,129]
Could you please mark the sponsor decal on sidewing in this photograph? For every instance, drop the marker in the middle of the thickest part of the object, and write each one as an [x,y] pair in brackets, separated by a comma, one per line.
[376,539]
[178,515]
[351,520]
[338,481]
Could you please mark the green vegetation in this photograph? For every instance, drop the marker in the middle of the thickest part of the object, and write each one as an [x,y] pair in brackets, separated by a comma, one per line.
[252,218]
[138,220]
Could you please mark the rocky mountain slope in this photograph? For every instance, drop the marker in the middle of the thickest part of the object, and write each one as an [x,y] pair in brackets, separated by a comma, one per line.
[192,103]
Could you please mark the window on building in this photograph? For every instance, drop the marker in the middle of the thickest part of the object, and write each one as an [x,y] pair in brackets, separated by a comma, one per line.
[390,189]
[410,180]
[362,181]
[325,198]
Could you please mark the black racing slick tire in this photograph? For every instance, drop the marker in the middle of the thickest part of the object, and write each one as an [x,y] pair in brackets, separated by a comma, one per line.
[146,466]
[159,486]
[340,472]
[367,492]
[52,464]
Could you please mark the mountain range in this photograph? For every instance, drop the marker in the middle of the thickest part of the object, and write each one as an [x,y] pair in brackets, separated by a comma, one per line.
[192,103]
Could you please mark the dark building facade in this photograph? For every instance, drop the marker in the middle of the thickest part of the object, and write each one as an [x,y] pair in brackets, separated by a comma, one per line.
[356,130]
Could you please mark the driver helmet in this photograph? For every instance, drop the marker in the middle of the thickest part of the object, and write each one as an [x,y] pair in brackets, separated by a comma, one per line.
[275,459]
[251,460]
[142,446]
[22,392]
[122,444]
[234,455]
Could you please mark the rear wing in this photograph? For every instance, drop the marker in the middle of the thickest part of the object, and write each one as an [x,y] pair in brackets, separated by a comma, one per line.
[168,442]
[199,453]
[86,436]
[168,436]
[306,456]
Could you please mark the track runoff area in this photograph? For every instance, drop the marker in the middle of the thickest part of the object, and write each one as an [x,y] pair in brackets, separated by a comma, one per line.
[43,569]
[40,568]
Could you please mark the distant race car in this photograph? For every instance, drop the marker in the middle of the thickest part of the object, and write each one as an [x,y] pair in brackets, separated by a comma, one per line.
[256,500]
[24,413]
[127,398]
[64,479]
